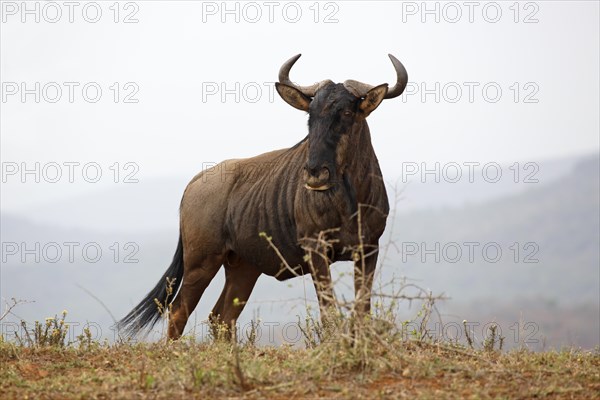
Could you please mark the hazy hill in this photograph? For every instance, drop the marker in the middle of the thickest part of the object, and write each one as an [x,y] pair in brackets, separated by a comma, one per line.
[560,220]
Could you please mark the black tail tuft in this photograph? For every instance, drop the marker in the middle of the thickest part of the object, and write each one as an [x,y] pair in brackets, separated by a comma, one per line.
[145,315]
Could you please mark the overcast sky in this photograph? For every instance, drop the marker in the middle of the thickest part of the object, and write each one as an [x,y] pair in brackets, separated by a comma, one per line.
[177,57]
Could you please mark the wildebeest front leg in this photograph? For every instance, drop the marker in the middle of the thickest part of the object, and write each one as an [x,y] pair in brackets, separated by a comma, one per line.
[364,271]
[319,269]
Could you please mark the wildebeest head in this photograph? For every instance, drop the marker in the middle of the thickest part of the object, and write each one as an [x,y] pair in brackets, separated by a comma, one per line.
[336,114]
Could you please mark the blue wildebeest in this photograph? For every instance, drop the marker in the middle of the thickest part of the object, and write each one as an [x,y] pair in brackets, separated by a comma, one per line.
[320,201]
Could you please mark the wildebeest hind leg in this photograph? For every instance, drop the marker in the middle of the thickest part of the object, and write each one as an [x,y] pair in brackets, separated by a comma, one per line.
[198,273]
[240,279]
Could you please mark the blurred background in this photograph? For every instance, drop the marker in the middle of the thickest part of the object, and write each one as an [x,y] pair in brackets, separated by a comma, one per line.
[491,157]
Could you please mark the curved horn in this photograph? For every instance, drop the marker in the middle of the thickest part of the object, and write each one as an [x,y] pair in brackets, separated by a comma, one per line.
[360,89]
[284,77]
[401,79]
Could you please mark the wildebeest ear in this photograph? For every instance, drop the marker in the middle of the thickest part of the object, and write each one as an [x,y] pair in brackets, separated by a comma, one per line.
[293,96]
[373,98]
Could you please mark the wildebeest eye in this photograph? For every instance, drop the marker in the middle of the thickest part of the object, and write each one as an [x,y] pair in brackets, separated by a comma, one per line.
[348,113]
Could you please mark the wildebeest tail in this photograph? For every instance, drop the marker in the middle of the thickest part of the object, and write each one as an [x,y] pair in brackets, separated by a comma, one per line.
[145,315]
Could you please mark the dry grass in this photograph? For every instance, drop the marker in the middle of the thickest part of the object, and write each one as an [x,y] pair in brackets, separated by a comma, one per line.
[374,362]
